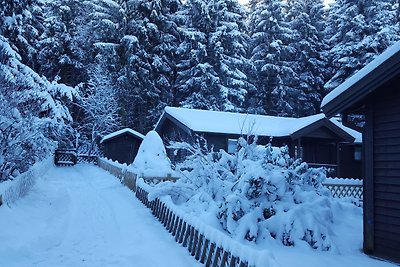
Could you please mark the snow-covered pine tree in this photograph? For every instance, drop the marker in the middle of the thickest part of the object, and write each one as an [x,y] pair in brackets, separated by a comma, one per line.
[21,24]
[106,21]
[228,51]
[357,31]
[198,84]
[61,54]
[306,19]
[96,112]
[33,114]
[148,74]
[212,64]
[273,58]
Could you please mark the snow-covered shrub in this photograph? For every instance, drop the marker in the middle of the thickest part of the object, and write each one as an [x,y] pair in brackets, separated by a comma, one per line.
[152,159]
[258,194]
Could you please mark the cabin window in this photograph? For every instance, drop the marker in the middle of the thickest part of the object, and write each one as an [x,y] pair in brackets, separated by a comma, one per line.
[357,153]
[232,145]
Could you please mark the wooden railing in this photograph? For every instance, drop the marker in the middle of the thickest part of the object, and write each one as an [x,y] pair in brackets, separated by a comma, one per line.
[204,249]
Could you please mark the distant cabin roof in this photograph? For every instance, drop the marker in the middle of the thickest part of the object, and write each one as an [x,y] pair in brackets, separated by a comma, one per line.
[247,124]
[380,70]
[356,135]
[120,132]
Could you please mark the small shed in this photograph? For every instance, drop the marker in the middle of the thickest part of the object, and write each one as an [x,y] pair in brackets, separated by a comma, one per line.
[374,92]
[314,138]
[122,145]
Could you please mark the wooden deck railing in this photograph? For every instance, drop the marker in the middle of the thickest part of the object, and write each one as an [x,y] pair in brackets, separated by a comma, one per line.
[204,249]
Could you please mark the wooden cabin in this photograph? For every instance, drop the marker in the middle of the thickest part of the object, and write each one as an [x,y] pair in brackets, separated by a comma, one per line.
[315,139]
[374,92]
[122,145]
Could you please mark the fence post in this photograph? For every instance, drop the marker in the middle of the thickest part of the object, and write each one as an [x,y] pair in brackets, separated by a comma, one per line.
[181,235]
[210,254]
[204,253]
[195,240]
[199,246]
[178,230]
[233,261]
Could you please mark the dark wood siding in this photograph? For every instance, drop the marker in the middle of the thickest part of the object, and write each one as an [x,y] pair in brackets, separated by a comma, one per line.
[349,166]
[122,148]
[169,131]
[386,174]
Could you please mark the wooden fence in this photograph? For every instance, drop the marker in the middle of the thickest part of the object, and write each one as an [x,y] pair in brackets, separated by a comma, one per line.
[345,190]
[129,178]
[70,157]
[126,177]
[201,247]
[65,157]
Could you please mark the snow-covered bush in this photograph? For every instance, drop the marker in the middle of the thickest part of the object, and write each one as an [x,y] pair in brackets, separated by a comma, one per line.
[151,159]
[258,194]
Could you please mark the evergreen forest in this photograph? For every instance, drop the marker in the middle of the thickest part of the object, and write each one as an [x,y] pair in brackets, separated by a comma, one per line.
[72,71]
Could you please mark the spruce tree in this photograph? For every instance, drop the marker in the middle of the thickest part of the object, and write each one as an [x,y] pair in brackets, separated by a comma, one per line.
[273,58]
[148,54]
[357,32]
[33,114]
[306,19]
[61,54]
[212,64]
[197,80]
[228,43]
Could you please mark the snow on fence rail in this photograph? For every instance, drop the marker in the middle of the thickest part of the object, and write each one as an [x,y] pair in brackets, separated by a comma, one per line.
[344,187]
[206,245]
[23,183]
[127,177]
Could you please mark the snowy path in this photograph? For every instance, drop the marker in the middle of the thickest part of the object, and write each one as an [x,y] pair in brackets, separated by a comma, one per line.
[83,216]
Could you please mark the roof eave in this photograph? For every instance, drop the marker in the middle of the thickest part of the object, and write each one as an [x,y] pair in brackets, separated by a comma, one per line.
[363,87]
[320,123]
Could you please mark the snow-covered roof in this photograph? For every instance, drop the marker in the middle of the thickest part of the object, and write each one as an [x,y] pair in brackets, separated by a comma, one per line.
[239,123]
[368,70]
[356,135]
[122,131]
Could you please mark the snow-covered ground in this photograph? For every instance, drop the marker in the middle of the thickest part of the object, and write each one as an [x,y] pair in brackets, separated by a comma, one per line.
[83,216]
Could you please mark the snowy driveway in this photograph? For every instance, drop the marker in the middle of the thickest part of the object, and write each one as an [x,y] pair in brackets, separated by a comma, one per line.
[83,216]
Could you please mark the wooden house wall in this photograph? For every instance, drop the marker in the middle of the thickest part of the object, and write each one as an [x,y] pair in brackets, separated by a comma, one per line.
[382,170]
[169,131]
[122,148]
[349,167]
